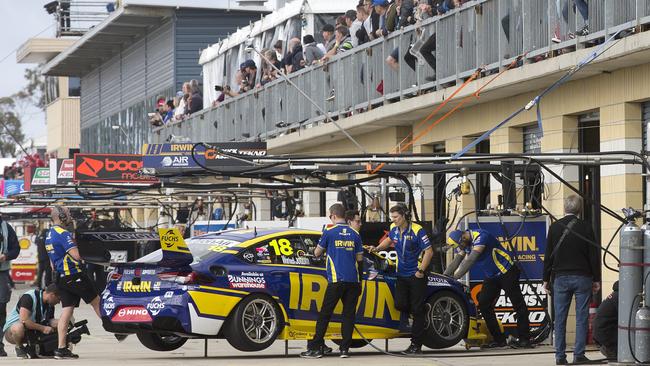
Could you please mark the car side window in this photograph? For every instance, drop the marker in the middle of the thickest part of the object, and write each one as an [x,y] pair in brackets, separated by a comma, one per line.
[311,241]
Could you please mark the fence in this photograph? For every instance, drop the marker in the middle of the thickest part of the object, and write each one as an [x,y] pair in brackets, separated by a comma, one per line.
[488,33]
[76,17]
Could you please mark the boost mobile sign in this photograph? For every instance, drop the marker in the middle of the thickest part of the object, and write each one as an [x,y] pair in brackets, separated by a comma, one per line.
[110,168]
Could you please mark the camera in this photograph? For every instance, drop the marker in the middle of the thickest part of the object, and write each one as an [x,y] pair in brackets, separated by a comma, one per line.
[45,344]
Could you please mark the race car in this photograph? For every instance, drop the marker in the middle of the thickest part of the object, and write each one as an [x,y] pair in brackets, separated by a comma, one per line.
[255,286]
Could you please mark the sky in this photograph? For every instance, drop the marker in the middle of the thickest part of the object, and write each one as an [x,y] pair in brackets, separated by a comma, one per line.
[22,20]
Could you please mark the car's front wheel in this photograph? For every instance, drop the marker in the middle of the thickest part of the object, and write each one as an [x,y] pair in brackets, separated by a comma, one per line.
[447,320]
[160,342]
[254,325]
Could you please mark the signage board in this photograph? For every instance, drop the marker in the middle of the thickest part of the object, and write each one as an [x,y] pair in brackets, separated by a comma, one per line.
[110,168]
[178,156]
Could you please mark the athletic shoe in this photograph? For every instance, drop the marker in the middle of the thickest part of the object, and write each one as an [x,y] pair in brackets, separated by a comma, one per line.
[327,350]
[521,343]
[561,361]
[344,353]
[64,354]
[583,31]
[312,353]
[581,360]
[413,350]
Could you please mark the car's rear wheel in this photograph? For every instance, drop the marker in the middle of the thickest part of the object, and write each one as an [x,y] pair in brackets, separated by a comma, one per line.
[356,343]
[161,342]
[254,325]
[447,320]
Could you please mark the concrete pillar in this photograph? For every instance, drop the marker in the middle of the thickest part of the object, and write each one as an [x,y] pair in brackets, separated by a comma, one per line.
[560,136]
[621,185]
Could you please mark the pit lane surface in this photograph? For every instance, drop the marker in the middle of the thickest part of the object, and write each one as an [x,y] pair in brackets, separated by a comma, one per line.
[101,348]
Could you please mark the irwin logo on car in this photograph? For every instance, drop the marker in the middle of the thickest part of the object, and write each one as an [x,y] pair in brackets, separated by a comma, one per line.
[131,314]
[143,286]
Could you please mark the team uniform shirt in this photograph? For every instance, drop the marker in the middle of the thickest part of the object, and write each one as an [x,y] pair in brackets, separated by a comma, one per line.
[342,244]
[58,243]
[408,245]
[495,260]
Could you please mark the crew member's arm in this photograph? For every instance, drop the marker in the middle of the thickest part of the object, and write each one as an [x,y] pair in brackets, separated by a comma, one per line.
[425,246]
[25,304]
[455,262]
[358,248]
[385,244]
[468,262]
[13,247]
[70,246]
[322,245]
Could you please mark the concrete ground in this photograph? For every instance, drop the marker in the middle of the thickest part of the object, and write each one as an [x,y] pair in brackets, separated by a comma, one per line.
[101,348]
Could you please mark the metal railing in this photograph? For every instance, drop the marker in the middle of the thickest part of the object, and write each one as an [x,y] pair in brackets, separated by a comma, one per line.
[76,17]
[488,34]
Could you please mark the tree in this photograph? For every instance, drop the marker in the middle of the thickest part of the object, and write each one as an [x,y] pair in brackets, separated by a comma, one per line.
[11,134]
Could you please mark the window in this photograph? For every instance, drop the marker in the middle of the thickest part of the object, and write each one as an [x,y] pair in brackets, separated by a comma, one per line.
[290,250]
[74,87]
[532,140]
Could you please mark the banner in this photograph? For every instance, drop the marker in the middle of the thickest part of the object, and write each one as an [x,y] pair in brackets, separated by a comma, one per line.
[41,177]
[110,168]
[12,187]
[179,156]
[529,244]
[61,171]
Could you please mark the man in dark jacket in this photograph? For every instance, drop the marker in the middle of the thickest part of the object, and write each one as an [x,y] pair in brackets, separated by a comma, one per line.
[606,325]
[9,250]
[572,265]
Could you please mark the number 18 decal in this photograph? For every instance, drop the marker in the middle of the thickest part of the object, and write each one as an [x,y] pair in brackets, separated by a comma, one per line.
[281,246]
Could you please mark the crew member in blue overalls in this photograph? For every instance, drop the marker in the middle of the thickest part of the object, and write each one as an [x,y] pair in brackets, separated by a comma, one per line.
[33,312]
[496,265]
[411,241]
[344,249]
[74,284]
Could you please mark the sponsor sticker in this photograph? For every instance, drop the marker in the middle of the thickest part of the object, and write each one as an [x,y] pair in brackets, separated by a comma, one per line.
[129,286]
[108,305]
[247,280]
[297,260]
[155,306]
[169,294]
[131,314]
[249,257]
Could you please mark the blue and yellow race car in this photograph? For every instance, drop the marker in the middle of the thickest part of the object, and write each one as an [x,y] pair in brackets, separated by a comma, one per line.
[254,286]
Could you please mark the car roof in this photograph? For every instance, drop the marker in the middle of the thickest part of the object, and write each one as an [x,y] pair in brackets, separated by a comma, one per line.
[243,235]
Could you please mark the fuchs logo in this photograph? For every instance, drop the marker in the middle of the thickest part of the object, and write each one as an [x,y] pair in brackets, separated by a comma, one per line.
[90,167]
[155,306]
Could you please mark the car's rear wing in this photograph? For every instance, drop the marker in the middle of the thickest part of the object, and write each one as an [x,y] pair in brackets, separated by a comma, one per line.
[111,247]
[174,249]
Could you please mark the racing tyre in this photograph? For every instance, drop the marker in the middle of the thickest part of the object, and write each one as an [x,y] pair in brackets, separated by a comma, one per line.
[158,342]
[254,324]
[356,343]
[447,320]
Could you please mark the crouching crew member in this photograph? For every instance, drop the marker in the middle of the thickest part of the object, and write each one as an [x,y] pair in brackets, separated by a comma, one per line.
[344,249]
[34,312]
[72,281]
[410,240]
[496,263]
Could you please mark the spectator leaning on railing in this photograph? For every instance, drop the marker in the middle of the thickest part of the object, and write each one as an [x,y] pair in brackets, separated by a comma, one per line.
[328,37]
[310,51]
[363,34]
[354,25]
[269,73]
[196,99]
[294,59]
[343,41]
[380,7]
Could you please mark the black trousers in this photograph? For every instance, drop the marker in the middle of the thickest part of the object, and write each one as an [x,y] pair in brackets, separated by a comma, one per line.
[348,293]
[509,283]
[409,298]
[44,276]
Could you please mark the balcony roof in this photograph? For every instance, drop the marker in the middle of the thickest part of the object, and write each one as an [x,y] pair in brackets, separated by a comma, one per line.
[121,28]
[41,50]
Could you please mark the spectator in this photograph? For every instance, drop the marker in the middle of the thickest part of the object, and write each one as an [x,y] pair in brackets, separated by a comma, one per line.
[562,10]
[354,25]
[195,99]
[343,41]
[606,325]
[248,70]
[279,52]
[269,73]
[328,37]
[169,111]
[310,51]
[362,35]
[340,21]
[380,7]
[156,118]
[183,105]
[294,59]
